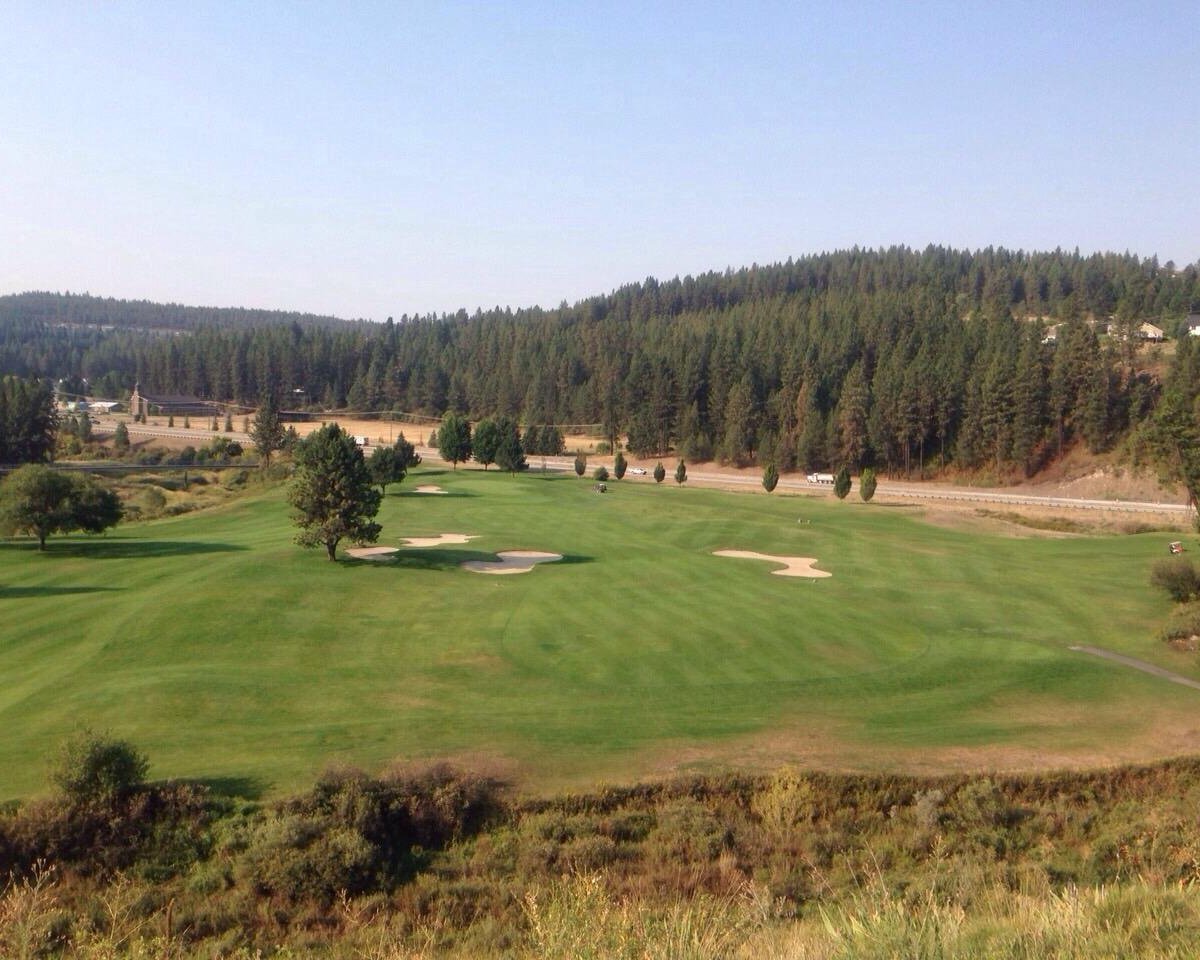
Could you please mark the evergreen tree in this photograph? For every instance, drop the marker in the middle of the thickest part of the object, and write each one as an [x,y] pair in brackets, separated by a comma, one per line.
[770,478]
[866,485]
[267,433]
[121,437]
[851,417]
[841,483]
[509,455]
[28,420]
[332,491]
[580,464]
[681,473]
[619,466]
[660,472]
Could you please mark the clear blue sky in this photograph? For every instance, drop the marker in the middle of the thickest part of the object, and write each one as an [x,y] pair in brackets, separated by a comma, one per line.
[376,159]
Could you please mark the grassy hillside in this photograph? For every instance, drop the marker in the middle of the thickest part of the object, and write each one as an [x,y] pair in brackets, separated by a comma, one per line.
[228,653]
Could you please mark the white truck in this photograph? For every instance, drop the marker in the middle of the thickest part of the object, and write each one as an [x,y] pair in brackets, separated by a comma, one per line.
[820,478]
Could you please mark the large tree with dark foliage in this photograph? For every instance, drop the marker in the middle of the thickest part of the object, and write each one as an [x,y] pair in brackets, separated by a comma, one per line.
[40,500]
[28,420]
[454,439]
[332,491]
[391,464]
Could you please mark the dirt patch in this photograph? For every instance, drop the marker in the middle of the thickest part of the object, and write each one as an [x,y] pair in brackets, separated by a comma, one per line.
[792,566]
[439,540]
[836,746]
[512,561]
[429,488]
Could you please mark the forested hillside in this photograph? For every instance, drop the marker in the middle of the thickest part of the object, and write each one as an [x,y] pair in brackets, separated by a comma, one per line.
[893,357]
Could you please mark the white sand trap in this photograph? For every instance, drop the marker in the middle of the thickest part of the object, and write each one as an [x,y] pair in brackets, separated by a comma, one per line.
[792,566]
[429,488]
[372,553]
[439,539]
[512,561]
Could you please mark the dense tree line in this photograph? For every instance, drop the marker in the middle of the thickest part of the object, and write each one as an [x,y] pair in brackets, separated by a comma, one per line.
[28,420]
[892,357]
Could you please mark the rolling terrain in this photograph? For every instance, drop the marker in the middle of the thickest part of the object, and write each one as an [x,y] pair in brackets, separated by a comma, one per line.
[228,653]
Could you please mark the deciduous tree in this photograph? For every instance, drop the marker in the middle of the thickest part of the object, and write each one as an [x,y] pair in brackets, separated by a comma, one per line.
[36,499]
[486,441]
[454,439]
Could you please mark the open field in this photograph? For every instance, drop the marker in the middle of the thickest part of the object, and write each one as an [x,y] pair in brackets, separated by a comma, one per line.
[227,653]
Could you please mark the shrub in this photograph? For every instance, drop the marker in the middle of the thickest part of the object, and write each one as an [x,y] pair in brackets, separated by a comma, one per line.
[786,801]
[1178,576]
[867,484]
[580,464]
[601,474]
[92,766]
[1183,629]
[770,478]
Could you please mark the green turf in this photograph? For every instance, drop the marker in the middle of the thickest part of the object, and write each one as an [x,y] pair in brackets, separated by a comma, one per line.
[227,652]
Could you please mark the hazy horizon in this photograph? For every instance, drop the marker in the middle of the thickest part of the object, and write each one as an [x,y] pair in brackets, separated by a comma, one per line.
[376,161]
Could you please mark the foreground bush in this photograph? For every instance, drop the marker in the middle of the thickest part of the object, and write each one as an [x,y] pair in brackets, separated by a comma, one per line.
[97,767]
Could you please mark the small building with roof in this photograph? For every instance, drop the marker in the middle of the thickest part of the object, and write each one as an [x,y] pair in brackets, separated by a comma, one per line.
[144,404]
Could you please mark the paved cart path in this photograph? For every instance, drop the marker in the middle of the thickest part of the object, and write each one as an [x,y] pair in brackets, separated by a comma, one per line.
[1140,665]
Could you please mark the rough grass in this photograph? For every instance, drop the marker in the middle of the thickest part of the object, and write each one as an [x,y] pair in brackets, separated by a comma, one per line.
[226,652]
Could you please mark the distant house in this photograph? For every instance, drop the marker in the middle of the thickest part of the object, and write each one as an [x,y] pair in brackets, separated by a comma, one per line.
[143,404]
[1051,335]
[1193,324]
[1148,331]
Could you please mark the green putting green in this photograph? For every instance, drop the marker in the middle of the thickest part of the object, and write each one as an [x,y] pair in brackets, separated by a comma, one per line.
[225,651]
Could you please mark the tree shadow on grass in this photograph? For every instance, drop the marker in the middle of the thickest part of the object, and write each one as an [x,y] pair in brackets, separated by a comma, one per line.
[438,558]
[105,549]
[21,593]
[235,788]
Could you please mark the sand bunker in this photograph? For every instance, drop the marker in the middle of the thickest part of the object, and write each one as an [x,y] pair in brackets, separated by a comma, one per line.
[792,566]
[512,561]
[429,488]
[372,553]
[438,540]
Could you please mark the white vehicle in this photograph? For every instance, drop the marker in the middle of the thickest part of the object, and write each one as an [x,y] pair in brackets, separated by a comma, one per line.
[638,471]
[362,441]
[820,478]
